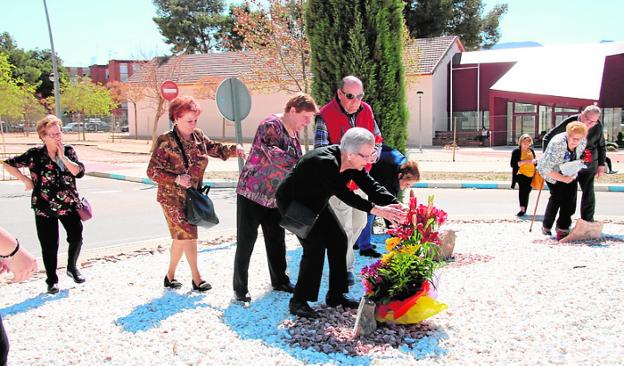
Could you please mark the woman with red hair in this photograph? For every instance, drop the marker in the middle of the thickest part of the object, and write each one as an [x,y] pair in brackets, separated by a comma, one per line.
[167,167]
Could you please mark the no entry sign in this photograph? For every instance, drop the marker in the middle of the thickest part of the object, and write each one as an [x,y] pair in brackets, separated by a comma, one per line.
[169,90]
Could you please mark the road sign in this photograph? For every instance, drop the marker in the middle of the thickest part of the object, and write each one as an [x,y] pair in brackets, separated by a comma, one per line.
[169,90]
[234,103]
[233,99]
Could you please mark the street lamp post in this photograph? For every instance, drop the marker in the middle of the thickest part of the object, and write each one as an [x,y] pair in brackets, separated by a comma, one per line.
[55,74]
[420,93]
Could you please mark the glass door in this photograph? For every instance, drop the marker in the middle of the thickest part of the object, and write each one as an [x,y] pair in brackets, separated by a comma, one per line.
[524,124]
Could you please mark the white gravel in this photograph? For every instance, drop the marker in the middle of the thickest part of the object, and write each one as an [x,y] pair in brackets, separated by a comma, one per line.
[514,298]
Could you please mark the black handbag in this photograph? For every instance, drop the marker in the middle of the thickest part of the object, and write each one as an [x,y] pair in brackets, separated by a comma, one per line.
[198,207]
[299,219]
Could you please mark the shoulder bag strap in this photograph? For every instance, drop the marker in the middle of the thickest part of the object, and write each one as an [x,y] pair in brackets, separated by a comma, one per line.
[186,161]
[177,138]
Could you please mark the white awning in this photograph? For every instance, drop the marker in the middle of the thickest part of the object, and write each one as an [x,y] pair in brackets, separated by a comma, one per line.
[572,71]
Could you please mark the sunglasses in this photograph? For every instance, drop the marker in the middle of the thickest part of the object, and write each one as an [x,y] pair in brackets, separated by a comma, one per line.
[353,96]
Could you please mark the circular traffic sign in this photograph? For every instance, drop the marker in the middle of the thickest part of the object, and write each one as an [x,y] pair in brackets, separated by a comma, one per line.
[169,90]
[233,99]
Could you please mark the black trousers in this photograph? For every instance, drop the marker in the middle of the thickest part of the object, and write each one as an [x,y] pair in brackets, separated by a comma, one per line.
[250,215]
[326,235]
[4,345]
[48,234]
[563,200]
[588,200]
[524,189]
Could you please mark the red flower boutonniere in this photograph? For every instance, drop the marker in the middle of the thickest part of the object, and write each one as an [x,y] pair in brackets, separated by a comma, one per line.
[587,156]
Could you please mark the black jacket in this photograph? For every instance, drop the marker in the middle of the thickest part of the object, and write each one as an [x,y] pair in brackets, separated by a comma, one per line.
[595,140]
[515,158]
[317,177]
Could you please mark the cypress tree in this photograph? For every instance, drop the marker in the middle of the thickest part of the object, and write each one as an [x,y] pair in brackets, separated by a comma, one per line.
[365,39]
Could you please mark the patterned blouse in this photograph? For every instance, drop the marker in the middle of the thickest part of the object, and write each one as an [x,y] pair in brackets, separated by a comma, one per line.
[273,154]
[54,193]
[556,154]
[167,163]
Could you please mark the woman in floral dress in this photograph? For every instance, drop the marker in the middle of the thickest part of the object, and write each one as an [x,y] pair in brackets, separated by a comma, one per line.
[167,168]
[53,168]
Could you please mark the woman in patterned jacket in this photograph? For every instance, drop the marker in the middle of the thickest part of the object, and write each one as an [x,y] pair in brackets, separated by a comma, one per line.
[167,168]
[274,152]
[563,148]
[53,168]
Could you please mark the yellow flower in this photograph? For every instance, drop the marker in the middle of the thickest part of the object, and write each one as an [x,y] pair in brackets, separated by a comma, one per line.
[392,242]
[409,249]
[387,257]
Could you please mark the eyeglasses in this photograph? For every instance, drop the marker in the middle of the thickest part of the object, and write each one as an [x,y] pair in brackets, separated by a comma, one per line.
[370,156]
[54,135]
[352,96]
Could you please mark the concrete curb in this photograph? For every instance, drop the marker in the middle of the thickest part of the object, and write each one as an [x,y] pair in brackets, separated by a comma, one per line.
[432,184]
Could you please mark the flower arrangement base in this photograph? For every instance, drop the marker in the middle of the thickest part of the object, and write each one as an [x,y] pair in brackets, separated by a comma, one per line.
[365,322]
[584,230]
[447,245]
[412,310]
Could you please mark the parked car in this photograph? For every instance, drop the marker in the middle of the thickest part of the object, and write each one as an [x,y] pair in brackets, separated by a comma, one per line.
[72,127]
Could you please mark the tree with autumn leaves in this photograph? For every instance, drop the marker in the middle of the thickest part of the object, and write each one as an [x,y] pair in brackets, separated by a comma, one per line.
[272,33]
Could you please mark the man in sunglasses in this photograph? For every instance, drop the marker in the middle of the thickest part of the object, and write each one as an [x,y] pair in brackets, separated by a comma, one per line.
[344,111]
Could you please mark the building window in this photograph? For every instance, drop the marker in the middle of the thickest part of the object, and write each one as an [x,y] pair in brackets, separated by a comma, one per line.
[123,72]
[612,122]
[525,108]
[545,118]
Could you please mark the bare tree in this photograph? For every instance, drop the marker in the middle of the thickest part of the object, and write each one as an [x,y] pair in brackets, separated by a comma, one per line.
[149,79]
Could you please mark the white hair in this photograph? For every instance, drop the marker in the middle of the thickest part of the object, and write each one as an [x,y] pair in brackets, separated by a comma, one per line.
[355,138]
[593,109]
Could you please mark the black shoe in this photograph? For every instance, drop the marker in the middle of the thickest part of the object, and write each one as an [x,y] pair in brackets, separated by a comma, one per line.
[521,213]
[285,287]
[350,279]
[301,308]
[174,284]
[242,298]
[335,300]
[203,286]
[546,231]
[370,253]
[76,275]
[53,288]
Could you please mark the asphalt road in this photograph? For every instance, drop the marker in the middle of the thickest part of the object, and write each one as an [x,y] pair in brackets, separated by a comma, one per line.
[126,212]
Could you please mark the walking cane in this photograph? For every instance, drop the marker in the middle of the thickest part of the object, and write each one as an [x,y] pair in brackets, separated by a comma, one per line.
[537,181]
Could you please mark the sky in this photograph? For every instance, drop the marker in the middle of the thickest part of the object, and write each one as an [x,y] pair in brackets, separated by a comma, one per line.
[90,32]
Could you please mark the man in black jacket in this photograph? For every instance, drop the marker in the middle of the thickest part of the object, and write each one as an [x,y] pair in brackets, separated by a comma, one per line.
[597,146]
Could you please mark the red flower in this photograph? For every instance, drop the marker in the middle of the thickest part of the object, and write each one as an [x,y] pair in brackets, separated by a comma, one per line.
[587,156]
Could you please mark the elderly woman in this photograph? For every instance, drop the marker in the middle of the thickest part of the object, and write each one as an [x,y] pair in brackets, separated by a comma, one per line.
[53,168]
[275,150]
[167,167]
[395,173]
[320,174]
[563,148]
[522,170]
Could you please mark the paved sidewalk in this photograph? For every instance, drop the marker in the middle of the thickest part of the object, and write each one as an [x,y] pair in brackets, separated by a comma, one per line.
[432,159]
